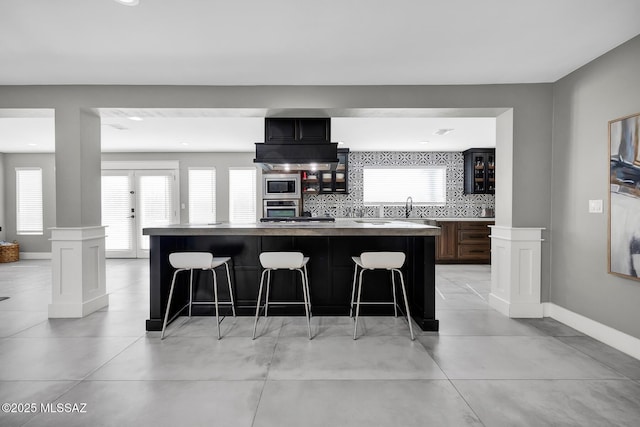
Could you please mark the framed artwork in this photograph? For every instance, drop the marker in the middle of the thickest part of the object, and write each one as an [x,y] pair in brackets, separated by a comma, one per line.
[624,197]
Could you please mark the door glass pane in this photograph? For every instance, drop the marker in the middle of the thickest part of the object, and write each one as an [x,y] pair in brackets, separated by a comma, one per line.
[156,207]
[116,213]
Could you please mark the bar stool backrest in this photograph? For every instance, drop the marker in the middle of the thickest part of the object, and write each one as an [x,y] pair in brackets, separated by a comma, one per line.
[382,259]
[277,260]
[191,260]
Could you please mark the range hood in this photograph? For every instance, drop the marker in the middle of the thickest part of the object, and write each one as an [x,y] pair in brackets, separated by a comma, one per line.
[297,144]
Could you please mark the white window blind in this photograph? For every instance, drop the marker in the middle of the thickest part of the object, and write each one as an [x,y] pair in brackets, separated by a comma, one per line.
[116,212]
[29,201]
[155,203]
[202,195]
[242,195]
[426,185]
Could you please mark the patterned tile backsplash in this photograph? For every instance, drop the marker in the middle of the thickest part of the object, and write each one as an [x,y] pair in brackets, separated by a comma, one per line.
[458,205]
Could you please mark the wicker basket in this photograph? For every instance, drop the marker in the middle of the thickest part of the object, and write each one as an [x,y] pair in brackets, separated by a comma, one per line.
[9,253]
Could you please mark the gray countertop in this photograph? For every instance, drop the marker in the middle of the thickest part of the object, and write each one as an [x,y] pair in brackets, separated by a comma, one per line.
[341,227]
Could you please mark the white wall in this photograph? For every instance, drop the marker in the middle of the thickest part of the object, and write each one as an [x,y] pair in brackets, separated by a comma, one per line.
[584,102]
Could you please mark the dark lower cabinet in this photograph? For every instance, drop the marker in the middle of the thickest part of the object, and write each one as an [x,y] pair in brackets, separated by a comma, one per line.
[464,242]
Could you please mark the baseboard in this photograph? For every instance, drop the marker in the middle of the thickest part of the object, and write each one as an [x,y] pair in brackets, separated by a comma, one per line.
[606,334]
[35,255]
[516,310]
[57,311]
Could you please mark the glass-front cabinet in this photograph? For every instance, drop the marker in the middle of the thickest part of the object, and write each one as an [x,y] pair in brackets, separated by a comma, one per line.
[480,171]
[328,181]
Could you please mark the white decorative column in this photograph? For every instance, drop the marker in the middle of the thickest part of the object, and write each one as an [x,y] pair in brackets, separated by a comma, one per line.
[78,266]
[515,271]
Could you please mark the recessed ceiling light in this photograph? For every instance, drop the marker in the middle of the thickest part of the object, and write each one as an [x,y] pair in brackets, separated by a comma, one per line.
[128,2]
[135,118]
[443,131]
[184,143]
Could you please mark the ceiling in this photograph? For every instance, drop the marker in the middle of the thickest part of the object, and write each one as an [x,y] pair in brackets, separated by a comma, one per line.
[305,42]
[204,130]
[294,42]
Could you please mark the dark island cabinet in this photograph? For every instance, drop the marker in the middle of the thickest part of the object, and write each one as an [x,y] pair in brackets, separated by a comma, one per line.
[330,271]
[310,130]
[480,171]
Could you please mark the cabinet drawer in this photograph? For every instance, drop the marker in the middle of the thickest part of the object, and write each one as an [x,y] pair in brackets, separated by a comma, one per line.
[474,225]
[474,252]
[473,237]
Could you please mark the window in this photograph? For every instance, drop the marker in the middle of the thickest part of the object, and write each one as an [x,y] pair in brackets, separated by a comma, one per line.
[392,185]
[242,195]
[29,201]
[116,211]
[202,195]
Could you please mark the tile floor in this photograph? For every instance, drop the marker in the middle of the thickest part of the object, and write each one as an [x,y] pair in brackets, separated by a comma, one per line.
[480,369]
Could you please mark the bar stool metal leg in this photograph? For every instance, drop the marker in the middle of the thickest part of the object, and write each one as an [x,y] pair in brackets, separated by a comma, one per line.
[255,323]
[306,288]
[406,304]
[353,290]
[190,290]
[233,304]
[166,315]
[395,302]
[215,300]
[355,325]
[266,295]
[306,301]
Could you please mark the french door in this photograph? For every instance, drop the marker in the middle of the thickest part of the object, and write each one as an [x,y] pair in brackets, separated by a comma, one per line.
[133,200]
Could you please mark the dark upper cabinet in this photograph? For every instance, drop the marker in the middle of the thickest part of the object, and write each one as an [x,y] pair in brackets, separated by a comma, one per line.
[328,181]
[312,130]
[480,171]
[279,130]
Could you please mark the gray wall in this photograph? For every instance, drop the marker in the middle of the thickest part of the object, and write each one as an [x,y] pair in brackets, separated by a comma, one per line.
[3,224]
[531,104]
[221,161]
[47,163]
[584,102]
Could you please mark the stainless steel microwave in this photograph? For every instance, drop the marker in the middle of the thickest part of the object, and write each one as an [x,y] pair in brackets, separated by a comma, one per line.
[281,186]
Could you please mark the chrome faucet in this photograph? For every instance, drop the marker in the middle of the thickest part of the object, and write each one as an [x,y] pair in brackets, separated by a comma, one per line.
[408,207]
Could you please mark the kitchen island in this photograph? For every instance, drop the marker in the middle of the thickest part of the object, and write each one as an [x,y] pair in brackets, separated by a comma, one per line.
[330,246]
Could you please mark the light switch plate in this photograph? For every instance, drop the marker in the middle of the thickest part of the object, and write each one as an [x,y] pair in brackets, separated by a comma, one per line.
[595,206]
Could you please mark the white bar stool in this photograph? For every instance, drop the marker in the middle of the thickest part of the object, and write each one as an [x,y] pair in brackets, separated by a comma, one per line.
[272,261]
[391,261]
[189,261]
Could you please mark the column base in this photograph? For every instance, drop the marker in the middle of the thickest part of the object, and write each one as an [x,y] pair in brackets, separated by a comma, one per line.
[515,271]
[78,310]
[79,274]
[516,310]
